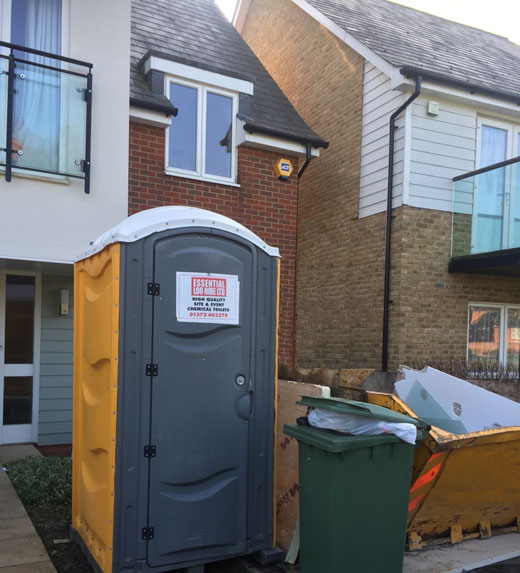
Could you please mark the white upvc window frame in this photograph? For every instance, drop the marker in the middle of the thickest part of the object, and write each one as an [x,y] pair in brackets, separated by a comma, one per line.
[200,173]
[503,307]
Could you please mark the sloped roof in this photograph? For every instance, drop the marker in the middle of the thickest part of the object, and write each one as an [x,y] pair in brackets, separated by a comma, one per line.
[195,32]
[405,37]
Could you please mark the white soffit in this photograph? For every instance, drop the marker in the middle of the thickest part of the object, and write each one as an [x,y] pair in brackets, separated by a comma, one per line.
[198,75]
[152,221]
[272,143]
[149,117]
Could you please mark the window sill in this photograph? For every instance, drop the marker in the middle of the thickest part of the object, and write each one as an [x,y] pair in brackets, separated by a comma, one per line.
[47,177]
[199,178]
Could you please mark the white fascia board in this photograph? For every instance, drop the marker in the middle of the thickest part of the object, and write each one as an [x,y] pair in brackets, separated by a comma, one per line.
[149,117]
[391,71]
[198,75]
[462,96]
[272,143]
[54,266]
[240,14]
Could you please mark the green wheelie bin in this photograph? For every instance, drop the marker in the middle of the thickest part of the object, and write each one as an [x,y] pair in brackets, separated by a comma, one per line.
[354,492]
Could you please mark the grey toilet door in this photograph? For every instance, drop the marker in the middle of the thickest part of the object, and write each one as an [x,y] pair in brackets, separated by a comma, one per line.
[201,399]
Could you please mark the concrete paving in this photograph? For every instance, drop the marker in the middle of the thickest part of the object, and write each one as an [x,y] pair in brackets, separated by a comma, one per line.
[465,556]
[15,452]
[21,550]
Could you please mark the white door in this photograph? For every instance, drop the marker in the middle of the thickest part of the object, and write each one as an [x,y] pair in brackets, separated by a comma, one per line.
[19,356]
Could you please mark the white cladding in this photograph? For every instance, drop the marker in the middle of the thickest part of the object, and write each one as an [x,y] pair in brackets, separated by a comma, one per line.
[52,219]
[160,219]
[379,102]
[429,149]
[442,147]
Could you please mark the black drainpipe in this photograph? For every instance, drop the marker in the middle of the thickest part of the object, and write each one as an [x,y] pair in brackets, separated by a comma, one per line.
[388,252]
[307,160]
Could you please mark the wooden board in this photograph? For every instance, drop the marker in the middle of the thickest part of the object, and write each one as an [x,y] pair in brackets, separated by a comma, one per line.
[286,472]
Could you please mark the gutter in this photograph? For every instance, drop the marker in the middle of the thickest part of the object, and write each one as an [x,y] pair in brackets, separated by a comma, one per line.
[167,108]
[414,72]
[388,250]
[251,127]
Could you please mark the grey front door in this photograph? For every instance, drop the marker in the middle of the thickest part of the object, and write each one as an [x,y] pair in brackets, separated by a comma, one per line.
[201,398]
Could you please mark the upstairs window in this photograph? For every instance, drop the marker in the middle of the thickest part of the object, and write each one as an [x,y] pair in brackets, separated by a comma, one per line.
[45,98]
[201,139]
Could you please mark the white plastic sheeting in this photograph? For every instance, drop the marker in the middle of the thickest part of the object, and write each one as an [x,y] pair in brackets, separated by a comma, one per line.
[360,425]
[453,404]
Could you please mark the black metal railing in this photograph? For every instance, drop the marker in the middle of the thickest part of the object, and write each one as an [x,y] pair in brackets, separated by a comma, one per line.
[45,113]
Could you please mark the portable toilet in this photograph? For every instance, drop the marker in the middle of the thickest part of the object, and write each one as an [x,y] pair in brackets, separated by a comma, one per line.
[174,393]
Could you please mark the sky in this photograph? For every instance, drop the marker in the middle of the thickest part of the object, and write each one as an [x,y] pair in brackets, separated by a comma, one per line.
[498,16]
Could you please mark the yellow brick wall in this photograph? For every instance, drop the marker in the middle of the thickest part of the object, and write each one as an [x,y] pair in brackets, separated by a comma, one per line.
[339,272]
[432,315]
[340,261]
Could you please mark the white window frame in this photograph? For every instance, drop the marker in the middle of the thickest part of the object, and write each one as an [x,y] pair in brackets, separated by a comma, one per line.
[503,307]
[199,173]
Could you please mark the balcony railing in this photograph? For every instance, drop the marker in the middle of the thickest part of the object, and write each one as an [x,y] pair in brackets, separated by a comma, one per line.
[486,210]
[45,113]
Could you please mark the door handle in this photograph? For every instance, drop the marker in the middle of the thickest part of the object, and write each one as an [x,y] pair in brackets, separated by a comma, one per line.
[244,406]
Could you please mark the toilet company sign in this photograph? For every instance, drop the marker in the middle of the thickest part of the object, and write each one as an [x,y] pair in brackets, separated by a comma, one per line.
[207,297]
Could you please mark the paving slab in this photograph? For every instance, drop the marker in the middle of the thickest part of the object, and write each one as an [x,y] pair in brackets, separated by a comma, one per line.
[16,527]
[22,551]
[12,507]
[4,479]
[16,452]
[44,567]
[464,556]
[7,491]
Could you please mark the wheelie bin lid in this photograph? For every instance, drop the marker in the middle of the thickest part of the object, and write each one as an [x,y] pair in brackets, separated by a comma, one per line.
[337,443]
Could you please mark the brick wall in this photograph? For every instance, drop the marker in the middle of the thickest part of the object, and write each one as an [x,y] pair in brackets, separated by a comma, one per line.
[339,268]
[340,260]
[262,203]
[431,316]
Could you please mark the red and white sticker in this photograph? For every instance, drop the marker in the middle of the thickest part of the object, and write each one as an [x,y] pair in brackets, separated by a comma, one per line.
[207,297]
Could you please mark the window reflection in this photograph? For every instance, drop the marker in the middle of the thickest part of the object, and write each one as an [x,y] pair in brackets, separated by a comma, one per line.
[218,135]
[484,334]
[17,400]
[183,131]
[19,319]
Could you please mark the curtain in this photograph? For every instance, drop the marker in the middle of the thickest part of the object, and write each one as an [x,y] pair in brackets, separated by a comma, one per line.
[490,186]
[37,24]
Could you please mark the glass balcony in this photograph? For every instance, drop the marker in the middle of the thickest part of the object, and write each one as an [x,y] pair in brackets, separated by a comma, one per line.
[45,113]
[486,210]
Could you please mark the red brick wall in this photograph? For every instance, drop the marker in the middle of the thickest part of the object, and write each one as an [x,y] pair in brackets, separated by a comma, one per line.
[262,203]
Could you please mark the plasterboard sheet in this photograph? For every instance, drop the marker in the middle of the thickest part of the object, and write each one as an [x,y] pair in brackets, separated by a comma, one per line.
[453,404]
